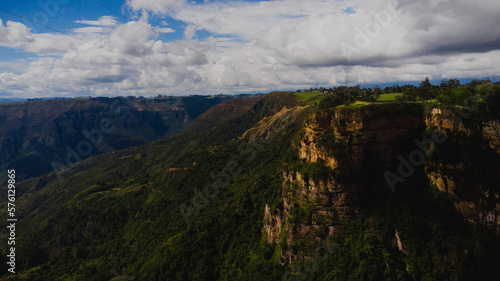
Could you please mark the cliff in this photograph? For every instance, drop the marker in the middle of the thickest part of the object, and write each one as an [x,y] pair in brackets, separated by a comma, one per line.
[342,153]
[337,151]
[466,166]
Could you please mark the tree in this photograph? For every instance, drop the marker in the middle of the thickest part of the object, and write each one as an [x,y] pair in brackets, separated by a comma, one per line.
[331,100]
[426,83]
[355,92]
[409,94]
[456,96]
[472,84]
[493,101]
[426,90]
[377,92]
[449,83]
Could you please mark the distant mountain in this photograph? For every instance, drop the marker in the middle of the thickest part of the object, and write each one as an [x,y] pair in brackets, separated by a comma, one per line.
[5,100]
[38,136]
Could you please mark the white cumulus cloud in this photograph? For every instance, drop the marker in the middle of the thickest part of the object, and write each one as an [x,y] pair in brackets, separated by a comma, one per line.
[257,46]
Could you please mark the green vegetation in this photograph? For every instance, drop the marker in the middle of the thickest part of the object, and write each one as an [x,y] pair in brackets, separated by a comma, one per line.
[448,93]
[191,206]
[327,138]
[307,94]
[389,97]
[33,139]
[122,211]
[311,97]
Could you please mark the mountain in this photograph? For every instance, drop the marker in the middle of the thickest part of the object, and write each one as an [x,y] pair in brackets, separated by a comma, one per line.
[280,187]
[5,100]
[39,136]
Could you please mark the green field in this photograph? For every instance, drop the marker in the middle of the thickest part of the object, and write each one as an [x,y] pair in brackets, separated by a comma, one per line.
[361,103]
[389,97]
[307,95]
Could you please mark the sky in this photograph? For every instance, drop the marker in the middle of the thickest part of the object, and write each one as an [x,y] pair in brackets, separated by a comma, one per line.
[66,48]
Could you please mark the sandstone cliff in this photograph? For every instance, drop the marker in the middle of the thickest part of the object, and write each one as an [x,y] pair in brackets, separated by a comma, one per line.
[352,146]
[471,177]
[342,144]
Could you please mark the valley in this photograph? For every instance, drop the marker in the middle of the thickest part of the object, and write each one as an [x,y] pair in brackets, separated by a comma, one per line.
[37,137]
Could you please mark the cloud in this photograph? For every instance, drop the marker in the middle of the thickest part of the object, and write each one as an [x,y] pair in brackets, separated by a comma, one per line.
[108,78]
[103,21]
[125,59]
[317,33]
[102,25]
[18,36]
[258,46]
[91,29]
[17,66]
[189,32]
[132,39]
[14,34]
[155,6]
[165,30]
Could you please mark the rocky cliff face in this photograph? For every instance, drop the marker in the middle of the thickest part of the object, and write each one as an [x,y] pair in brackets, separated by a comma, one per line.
[491,132]
[471,177]
[352,146]
[343,144]
[365,134]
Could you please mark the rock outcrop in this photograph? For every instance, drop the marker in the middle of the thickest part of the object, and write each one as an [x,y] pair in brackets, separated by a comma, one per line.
[477,199]
[344,143]
[491,132]
[348,144]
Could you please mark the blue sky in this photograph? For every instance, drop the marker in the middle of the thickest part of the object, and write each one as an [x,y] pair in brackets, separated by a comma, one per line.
[64,17]
[211,47]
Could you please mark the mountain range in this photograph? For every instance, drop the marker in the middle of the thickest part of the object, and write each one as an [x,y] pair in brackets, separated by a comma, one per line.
[37,137]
